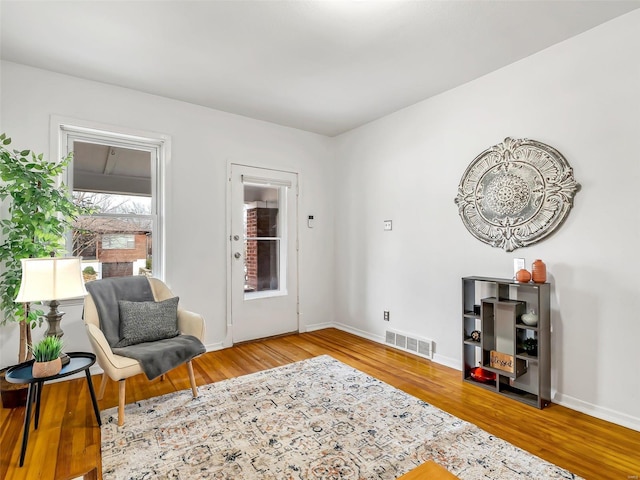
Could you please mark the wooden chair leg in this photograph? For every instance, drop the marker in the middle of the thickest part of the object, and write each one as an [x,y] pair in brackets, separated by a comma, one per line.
[192,379]
[121,397]
[103,386]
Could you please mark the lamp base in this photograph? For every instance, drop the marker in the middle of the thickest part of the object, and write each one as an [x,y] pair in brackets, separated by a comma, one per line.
[53,319]
[65,358]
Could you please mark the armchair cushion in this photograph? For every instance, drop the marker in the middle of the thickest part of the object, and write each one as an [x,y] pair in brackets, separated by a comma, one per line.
[147,321]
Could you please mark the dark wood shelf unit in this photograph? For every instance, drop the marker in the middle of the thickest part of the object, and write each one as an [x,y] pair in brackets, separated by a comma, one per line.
[520,375]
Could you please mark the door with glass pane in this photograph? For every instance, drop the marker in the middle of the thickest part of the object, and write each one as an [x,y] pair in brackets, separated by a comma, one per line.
[264,283]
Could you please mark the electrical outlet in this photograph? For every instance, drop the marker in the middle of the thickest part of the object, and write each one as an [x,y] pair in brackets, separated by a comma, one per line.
[388,225]
[386,315]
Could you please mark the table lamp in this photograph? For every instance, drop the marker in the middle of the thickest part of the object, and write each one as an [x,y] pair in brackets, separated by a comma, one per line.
[51,279]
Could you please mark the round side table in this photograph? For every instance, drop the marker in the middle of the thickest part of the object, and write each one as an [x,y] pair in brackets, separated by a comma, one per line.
[79,361]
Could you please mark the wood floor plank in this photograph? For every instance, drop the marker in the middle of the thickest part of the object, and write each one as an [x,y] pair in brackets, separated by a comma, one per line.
[587,446]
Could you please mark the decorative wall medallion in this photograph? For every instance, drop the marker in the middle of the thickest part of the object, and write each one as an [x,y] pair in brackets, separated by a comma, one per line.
[516,193]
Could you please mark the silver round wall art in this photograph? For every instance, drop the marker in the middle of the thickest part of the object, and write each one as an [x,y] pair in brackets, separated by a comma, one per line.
[516,193]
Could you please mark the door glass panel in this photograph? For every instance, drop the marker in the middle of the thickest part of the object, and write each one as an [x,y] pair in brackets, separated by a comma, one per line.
[262,241]
[262,266]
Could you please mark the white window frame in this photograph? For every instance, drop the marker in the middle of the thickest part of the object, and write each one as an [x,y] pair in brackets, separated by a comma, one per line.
[66,131]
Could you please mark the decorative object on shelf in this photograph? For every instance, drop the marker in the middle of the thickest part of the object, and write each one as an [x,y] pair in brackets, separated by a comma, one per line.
[530,318]
[476,335]
[501,361]
[538,271]
[530,345]
[47,357]
[523,276]
[482,375]
[51,278]
[516,193]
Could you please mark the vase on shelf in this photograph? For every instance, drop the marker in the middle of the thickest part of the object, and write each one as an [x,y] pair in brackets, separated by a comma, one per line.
[538,271]
[530,318]
[523,276]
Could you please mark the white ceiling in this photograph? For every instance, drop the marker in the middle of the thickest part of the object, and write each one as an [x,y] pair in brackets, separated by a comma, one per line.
[322,66]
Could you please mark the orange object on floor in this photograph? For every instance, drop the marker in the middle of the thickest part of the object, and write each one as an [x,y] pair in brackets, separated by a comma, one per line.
[429,470]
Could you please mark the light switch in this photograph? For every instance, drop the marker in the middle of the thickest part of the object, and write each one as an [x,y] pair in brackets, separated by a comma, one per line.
[387,224]
[310,221]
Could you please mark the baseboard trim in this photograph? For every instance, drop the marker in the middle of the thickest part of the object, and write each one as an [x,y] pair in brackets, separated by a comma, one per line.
[447,361]
[212,347]
[437,358]
[317,326]
[359,333]
[596,411]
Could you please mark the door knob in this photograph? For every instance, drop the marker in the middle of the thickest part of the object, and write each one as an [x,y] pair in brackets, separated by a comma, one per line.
[237,254]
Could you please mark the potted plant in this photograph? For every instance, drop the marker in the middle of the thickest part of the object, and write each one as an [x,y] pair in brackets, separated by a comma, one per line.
[40,211]
[46,354]
[89,273]
[530,346]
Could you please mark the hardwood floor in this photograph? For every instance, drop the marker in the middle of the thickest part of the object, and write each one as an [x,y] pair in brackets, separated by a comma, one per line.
[67,442]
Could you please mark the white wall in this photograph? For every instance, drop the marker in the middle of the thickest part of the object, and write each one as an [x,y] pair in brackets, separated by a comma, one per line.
[203,142]
[582,97]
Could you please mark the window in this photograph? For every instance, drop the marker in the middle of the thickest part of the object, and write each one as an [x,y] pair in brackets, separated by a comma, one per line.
[118,177]
[118,241]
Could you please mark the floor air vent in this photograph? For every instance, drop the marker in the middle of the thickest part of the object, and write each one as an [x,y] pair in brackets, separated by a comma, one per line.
[408,343]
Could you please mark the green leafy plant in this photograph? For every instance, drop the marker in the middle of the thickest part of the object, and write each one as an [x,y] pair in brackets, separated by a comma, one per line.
[41,211]
[89,270]
[530,345]
[47,349]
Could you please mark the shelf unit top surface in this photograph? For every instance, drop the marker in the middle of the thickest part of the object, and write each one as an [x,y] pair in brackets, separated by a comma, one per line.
[509,281]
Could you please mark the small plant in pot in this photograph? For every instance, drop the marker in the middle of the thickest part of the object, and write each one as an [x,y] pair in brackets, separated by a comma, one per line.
[530,346]
[47,357]
[89,273]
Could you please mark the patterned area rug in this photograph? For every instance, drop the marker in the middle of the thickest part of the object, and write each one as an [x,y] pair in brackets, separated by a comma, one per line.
[315,419]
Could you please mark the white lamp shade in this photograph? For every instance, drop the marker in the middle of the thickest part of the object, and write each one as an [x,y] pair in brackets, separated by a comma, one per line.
[51,278]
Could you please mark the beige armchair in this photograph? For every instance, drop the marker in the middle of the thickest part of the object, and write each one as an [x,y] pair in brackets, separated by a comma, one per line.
[118,367]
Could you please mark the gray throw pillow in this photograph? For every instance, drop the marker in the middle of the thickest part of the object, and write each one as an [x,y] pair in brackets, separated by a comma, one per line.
[147,321]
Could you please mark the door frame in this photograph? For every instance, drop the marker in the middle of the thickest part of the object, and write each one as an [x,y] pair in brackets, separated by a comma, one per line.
[228,341]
